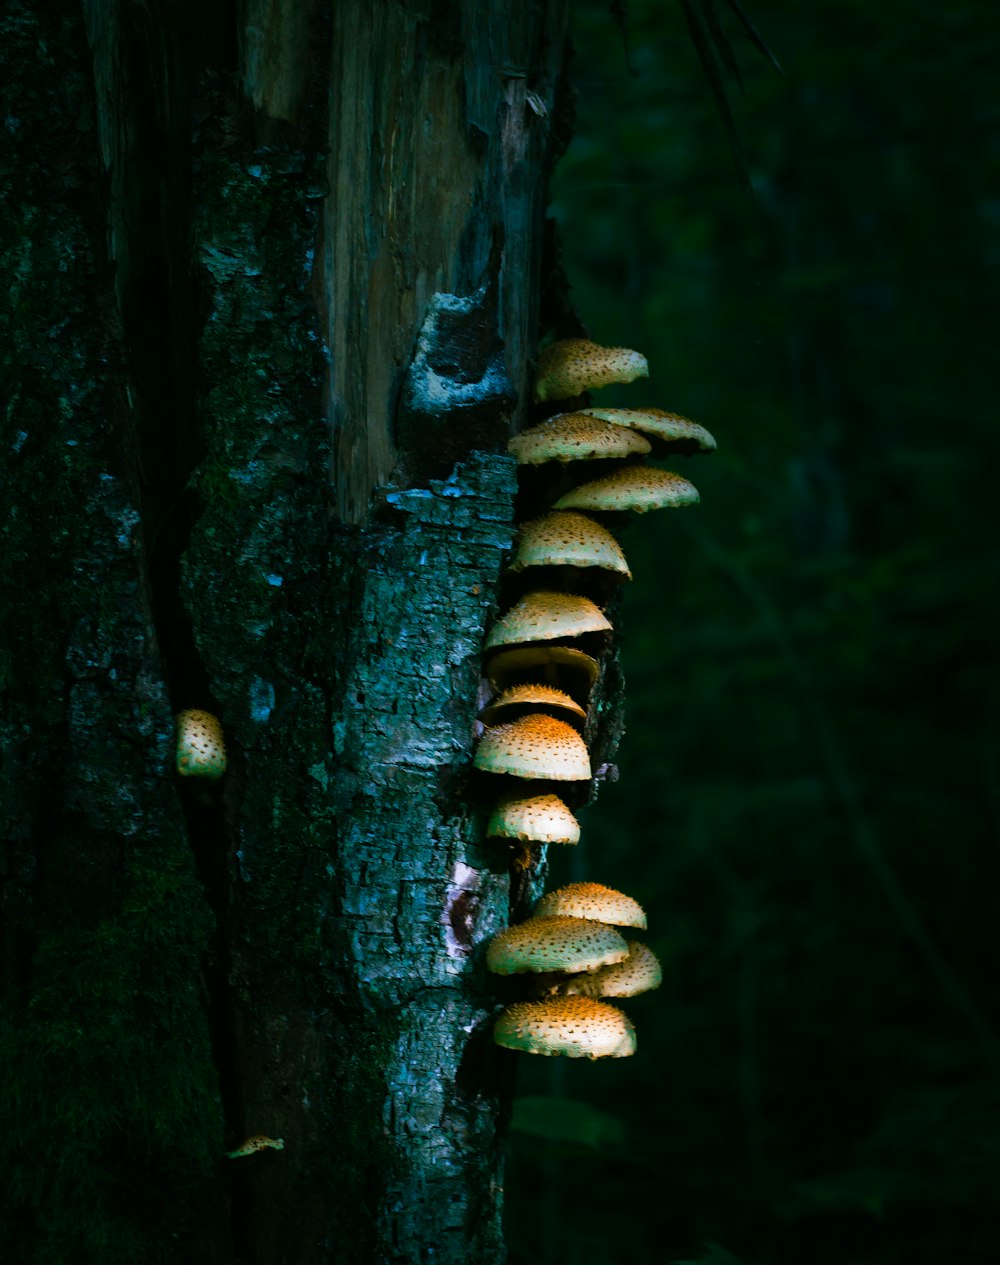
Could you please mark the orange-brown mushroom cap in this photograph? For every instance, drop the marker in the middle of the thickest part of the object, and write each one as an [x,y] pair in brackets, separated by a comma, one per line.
[555,944]
[543,615]
[566,538]
[638,488]
[638,973]
[575,437]
[531,661]
[681,433]
[577,1027]
[574,365]
[533,819]
[531,694]
[534,746]
[592,900]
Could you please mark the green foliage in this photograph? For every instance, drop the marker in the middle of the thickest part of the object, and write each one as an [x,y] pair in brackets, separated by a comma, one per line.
[110,1111]
[809,801]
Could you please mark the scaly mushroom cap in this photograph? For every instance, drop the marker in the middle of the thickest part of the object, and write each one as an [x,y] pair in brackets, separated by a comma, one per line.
[680,432]
[578,1027]
[533,819]
[564,538]
[531,694]
[555,944]
[575,437]
[201,751]
[574,365]
[538,659]
[257,1143]
[638,973]
[637,488]
[592,900]
[542,615]
[535,746]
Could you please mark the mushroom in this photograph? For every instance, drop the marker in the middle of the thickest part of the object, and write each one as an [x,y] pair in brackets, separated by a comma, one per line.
[531,694]
[533,819]
[575,437]
[578,1027]
[594,901]
[534,746]
[257,1143]
[574,365]
[566,538]
[555,944]
[543,615]
[511,667]
[201,751]
[679,432]
[638,488]
[638,973]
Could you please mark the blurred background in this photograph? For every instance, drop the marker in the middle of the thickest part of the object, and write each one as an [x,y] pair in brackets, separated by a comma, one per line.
[809,801]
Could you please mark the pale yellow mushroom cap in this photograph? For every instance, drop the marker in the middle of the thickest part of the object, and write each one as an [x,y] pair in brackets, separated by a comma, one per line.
[533,819]
[534,746]
[555,944]
[680,432]
[637,488]
[566,538]
[574,365]
[638,973]
[531,694]
[577,1027]
[593,900]
[201,751]
[575,437]
[542,615]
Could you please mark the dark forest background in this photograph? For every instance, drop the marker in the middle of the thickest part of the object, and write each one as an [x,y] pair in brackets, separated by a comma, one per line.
[809,804]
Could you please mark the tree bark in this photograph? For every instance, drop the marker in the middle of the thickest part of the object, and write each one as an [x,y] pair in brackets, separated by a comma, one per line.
[274,276]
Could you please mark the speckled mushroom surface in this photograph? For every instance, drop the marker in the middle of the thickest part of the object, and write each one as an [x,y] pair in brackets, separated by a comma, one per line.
[555,944]
[680,432]
[574,365]
[577,1027]
[638,973]
[593,900]
[637,488]
[528,695]
[534,819]
[201,750]
[565,537]
[534,746]
[575,437]
[543,615]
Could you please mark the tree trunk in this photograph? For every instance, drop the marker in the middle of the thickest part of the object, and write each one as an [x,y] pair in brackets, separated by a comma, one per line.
[274,276]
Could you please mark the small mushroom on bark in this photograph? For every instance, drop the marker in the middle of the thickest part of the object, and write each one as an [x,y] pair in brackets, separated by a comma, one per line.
[577,1027]
[575,437]
[534,746]
[555,944]
[574,365]
[201,750]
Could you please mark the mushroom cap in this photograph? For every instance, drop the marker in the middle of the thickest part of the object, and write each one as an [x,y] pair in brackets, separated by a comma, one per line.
[555,944]
[680,432]
[537,659]
[544,614]
[595,901]
[578,1027]
[530,694]
[201,751]
[563,537]
[575,437]
[534,819]
[637,488]
[638,973]
[534,746]
[573,365]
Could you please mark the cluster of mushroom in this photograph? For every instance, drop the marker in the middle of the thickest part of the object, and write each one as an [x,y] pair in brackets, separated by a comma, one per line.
[542,678]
